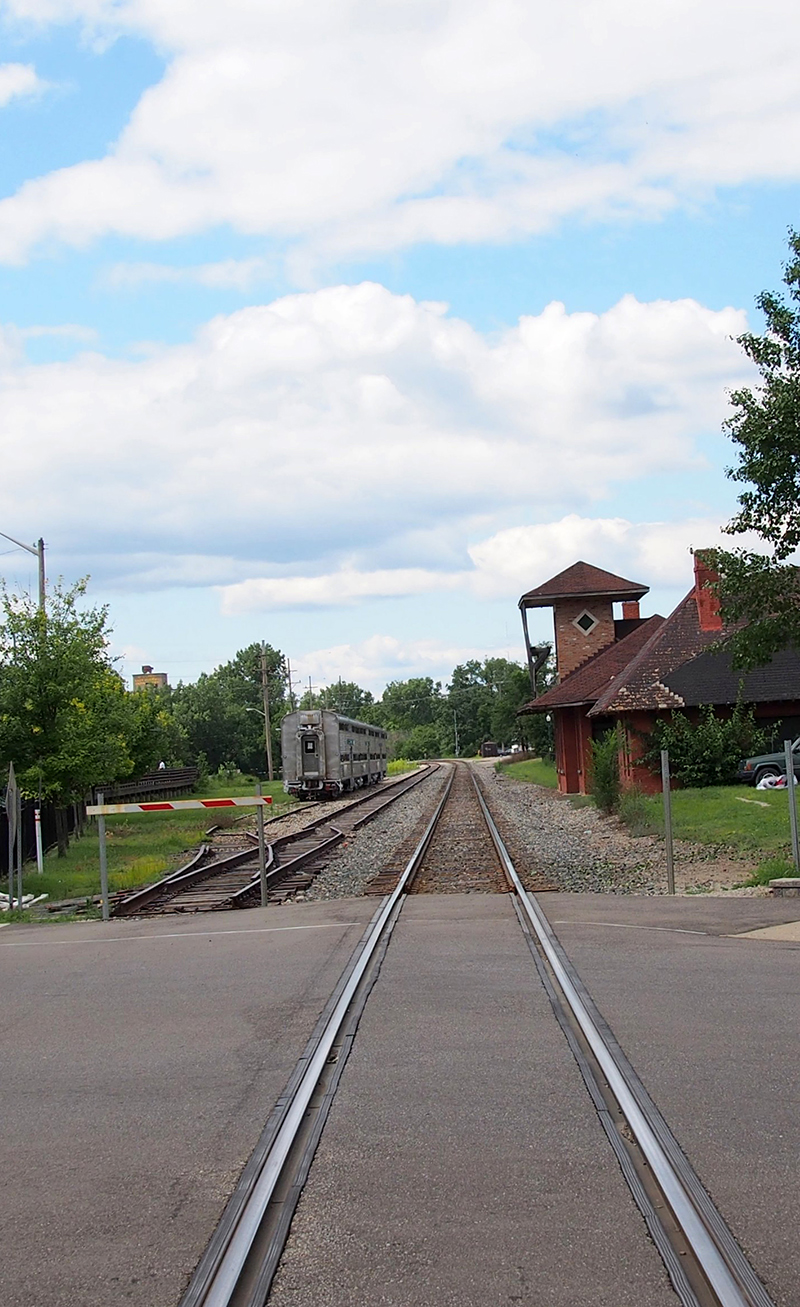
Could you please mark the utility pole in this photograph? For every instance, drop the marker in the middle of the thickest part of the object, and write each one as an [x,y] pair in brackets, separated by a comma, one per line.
[455,730]
[289,683]
[265,693]
[38,552]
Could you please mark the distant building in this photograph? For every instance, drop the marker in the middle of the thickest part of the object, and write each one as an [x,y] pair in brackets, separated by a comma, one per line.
[148,679]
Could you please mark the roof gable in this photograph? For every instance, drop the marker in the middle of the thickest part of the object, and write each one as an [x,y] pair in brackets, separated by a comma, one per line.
[579,581]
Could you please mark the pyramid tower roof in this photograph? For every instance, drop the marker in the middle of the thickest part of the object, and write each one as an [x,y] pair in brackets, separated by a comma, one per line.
[581,581]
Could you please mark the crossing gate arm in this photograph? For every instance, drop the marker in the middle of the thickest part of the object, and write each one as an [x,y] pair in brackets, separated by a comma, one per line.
[244,801]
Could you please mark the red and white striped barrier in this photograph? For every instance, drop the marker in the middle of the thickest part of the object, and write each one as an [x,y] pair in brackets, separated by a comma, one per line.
[246,801]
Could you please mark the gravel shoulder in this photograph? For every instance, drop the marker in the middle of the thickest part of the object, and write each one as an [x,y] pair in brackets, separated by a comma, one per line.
[579,849]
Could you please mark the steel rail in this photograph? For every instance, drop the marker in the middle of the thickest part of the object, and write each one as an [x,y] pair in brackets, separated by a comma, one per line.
[191,874]
[222,1280]
[277,872]
[733,1287]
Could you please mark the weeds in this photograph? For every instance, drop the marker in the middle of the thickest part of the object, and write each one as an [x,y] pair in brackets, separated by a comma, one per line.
[769,869]
[637,814]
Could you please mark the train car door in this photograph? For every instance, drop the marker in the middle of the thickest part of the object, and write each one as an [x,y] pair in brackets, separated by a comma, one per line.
[310,754]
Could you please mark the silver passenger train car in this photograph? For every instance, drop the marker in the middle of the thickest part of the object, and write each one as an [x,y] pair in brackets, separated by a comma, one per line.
[325,754]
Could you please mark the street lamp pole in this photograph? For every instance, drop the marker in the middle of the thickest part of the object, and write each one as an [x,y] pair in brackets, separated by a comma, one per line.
[38,552]
[265,696]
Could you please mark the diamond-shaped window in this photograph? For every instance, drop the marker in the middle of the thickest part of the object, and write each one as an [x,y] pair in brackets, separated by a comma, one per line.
[585,622]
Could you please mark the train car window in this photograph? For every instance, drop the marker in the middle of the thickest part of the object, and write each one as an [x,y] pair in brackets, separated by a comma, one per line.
[309,744]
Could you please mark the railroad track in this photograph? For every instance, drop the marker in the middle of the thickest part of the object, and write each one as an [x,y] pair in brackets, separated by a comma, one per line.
[705,1264]
[213,883]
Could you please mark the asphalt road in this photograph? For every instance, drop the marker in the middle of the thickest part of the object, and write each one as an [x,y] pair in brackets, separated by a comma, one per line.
[709,1015]
[140,1061]
[463,1164]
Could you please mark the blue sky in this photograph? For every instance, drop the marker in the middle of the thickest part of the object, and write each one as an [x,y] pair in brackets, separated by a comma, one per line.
[341,328]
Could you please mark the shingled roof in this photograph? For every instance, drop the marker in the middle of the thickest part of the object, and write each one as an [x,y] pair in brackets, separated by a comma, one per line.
[647,681]
[579,581]
[592,678]
[711,678]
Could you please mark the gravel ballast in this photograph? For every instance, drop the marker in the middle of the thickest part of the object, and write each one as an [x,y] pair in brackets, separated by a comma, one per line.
[369,850]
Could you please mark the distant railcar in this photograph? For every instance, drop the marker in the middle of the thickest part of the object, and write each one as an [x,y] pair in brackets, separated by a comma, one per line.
[325,754]
[489,749]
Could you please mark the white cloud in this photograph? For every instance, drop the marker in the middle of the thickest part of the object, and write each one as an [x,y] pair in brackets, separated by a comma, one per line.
[654,553]
[322,431]
[506,564]
[373,662]
[355,127]
[227,274]
[63,331]
[17,80]
[333,590]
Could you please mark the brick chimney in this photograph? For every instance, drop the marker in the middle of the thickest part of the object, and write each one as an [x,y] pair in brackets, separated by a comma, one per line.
[630,610]
[708,614]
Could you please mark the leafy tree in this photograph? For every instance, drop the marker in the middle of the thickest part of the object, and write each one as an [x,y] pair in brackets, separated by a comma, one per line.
[65,717]
[350,700]
[406,704]
[485,698]
[764,591]
[221,714]
[419,742]
[536,730]
[154,736]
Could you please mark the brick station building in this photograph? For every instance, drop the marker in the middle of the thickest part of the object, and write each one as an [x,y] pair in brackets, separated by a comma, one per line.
[628,671]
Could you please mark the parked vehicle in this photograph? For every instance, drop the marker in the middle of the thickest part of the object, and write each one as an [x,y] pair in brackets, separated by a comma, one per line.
[752,770]
[325,754]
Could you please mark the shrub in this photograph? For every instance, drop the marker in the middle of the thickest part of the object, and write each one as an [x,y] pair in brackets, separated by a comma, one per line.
[604,778]
[706,752]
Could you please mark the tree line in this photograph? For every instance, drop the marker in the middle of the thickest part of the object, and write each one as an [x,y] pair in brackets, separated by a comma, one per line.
[426,719]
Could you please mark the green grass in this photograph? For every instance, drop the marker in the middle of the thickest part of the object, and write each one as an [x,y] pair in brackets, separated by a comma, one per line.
[769,869]
[735,816]
[534,769]
[142,847]
[400,765]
